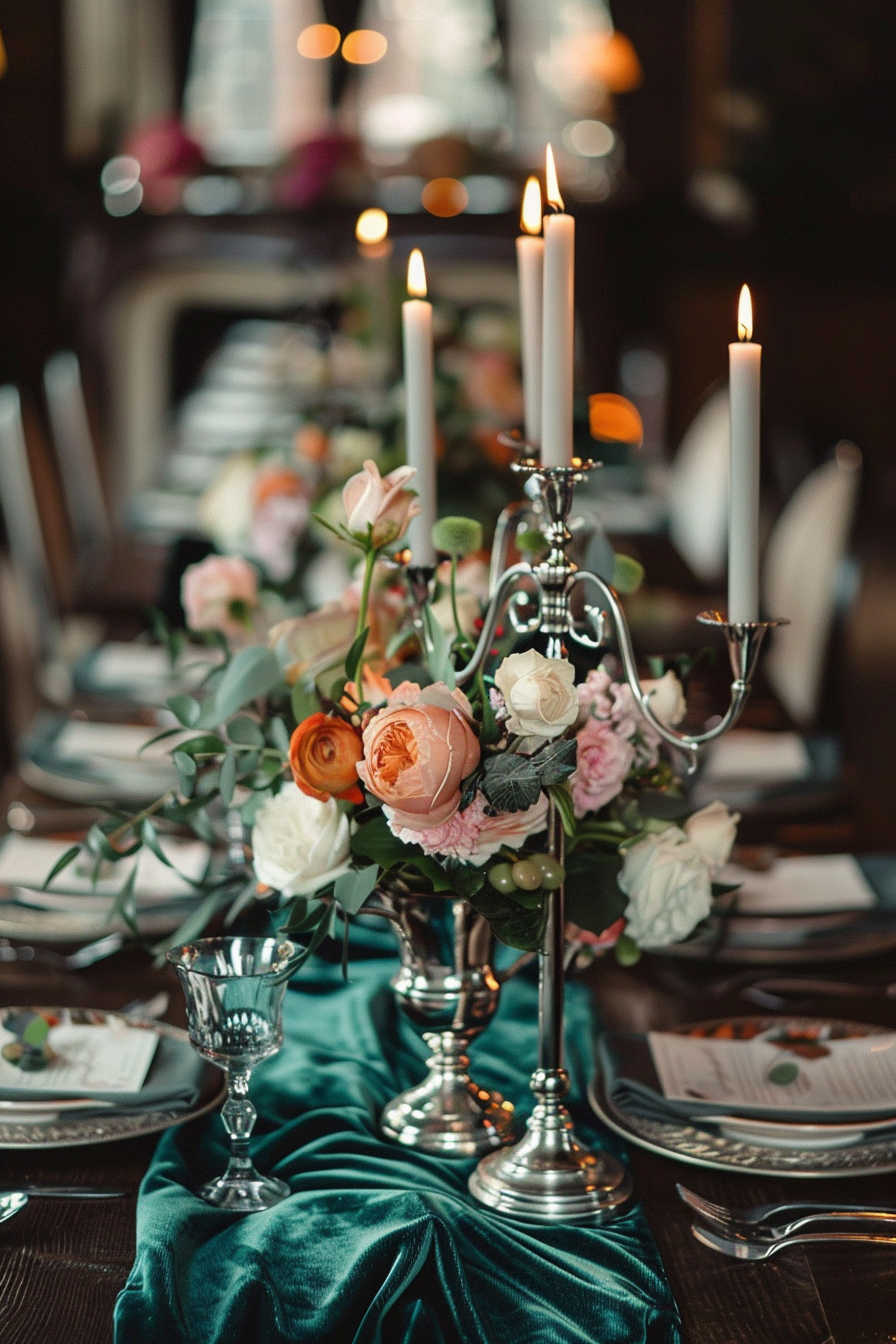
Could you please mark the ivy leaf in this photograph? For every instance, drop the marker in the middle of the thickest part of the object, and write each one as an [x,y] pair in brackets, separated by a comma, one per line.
[353,888]
[354,655]
[512,924]
[593,897]
[512,782]
[251,673]
[185,709]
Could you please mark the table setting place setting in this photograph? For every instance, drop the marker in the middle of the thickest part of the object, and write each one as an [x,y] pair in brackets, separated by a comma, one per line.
[374,843]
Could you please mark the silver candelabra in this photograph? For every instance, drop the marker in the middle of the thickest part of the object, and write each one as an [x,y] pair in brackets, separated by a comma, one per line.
[548,1176]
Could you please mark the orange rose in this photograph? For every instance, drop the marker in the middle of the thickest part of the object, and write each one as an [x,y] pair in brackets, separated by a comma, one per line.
[417,752]
[324,752]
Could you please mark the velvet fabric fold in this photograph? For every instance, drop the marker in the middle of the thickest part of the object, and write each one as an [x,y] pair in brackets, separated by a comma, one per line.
[378,1244]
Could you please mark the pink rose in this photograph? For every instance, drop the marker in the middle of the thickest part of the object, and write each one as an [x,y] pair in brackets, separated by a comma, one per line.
[602,764]
[594,694]
[471,835]
[220,593]
[417,752]
[381,503]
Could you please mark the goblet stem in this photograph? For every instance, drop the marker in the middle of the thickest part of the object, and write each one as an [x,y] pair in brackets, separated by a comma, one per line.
[239,1115]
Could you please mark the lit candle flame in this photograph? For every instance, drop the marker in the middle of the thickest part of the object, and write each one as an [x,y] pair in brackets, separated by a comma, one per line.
[416,275]
[552,186]
[372,226]
[531,216]
[745,315]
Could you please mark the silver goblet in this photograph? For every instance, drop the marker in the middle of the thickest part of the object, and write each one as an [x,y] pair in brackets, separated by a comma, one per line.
[448,989]
[234,990]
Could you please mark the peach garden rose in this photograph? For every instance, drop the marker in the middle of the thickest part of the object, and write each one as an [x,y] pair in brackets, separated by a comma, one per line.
[417,752]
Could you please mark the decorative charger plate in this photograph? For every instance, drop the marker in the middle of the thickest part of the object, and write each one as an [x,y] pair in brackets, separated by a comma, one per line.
[708,1148]
[71,1130]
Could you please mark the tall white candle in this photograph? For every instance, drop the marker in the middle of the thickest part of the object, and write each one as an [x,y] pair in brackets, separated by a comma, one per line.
[558,331]
[420,415]
[530,270]
[375,251]
[744,366]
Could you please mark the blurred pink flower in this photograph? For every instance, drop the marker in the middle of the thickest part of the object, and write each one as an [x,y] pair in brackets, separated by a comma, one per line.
[381,503]
[220,593]
[602,764]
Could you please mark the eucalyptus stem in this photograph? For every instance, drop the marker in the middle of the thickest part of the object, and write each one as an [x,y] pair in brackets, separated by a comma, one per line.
[141,816]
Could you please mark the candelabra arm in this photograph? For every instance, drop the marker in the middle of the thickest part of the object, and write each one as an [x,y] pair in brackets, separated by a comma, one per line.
[504,531]
[744,641]
[510,580]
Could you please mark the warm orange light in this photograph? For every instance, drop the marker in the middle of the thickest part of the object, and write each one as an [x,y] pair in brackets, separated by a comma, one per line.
[372,226]
[552,187]
[745,315]
[319,41]
[613,60]
[445,197]
[531,215]
[614,419]
[416,275]
[364,46]
[4,59]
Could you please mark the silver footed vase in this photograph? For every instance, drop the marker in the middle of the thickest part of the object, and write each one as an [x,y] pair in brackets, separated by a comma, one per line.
[448,990]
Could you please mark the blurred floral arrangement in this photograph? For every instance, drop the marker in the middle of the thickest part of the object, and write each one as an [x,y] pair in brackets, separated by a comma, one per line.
[341,737]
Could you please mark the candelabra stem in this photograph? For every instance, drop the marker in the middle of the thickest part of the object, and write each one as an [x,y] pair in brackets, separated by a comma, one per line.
[550,965]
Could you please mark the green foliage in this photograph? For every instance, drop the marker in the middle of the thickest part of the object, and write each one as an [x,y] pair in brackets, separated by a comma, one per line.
[376,842]
[352,888]
[187,772]
[514,923]
[355,654]
[457,536]
[61,864]
[594,899]
[185,709]
[628,574]
[227,778]
[512,782]
[246,731]
[561,795]
[251,674]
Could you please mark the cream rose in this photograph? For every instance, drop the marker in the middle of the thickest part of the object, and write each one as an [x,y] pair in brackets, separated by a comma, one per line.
[712,831]
[539,693]
[668,887]
[666,698]
[298,843]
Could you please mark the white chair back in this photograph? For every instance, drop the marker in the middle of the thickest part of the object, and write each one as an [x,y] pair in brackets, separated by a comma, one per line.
[77,458]
[698,489]
[20,513]
[802,565]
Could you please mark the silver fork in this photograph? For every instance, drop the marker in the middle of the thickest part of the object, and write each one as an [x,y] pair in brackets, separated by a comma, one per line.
[741,1249]
[749,1221]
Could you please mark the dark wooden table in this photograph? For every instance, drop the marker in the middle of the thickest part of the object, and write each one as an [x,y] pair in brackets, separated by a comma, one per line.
[62,1264]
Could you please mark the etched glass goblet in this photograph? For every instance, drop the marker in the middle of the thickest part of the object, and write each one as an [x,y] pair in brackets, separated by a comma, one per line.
[234,990]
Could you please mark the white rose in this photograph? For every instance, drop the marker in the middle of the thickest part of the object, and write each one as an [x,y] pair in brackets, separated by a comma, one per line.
[298,843]
[668,887]
[539,693]
[711,831]
[666,698]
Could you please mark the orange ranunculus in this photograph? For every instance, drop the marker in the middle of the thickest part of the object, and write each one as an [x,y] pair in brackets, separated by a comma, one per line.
[324,752]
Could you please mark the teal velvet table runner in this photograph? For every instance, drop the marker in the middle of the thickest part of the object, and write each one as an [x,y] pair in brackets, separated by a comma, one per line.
[377,1244]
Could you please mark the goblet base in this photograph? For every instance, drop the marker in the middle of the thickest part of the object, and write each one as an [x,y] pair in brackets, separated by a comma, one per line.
[465,1121]
[251,1193]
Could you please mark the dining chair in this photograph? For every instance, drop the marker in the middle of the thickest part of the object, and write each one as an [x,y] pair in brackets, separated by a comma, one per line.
[698,489]
[78,463]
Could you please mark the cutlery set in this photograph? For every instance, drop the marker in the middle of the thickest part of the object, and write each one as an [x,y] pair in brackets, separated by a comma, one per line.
[759,1232]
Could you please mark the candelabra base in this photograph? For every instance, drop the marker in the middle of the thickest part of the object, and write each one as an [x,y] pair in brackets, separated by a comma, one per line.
[548,1177]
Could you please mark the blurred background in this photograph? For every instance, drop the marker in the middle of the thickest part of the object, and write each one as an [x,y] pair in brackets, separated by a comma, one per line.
[192,299]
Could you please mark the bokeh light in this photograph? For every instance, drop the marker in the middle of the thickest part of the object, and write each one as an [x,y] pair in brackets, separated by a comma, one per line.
[372,226]
[319,41]
[444,197]
[364,46]
[590,139]
[614,419]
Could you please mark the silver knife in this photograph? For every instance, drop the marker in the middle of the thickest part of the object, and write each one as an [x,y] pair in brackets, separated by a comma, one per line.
[63,1191]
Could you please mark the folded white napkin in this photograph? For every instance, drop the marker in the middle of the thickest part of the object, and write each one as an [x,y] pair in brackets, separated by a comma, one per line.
[26,860]
[747,755]
[812,883]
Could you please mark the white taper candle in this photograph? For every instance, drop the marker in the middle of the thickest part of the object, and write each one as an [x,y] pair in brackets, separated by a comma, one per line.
[530,271]
[558,332]
[744,366]
[420,415]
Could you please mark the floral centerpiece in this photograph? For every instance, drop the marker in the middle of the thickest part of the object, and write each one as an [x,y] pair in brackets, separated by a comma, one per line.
[347,746]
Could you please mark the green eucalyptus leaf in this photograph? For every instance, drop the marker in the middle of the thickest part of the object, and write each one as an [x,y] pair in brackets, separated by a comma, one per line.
[186,709]
[353,888]
[251,674]
[227,778]
[61,863]
[187,772]
[245,732]
[279,734]
[206,744]
[355,654]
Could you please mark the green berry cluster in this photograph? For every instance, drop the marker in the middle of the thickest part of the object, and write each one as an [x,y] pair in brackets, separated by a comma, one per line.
[540,871]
